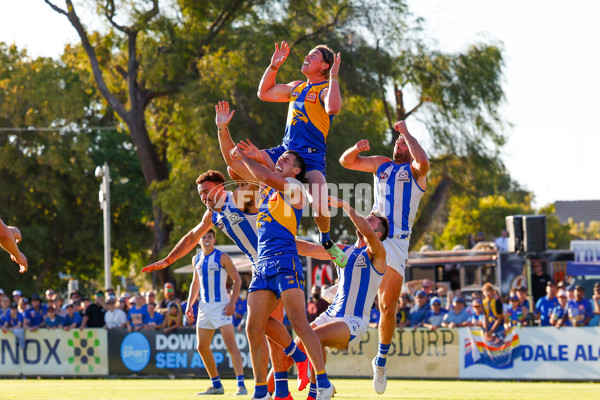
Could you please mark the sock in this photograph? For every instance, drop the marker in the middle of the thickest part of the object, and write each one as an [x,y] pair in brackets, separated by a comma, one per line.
[216,382]
[293,351]
[312,391]
[324,237]
[382,354]
[281,384]
[260,390]
[240,380]
[322,381]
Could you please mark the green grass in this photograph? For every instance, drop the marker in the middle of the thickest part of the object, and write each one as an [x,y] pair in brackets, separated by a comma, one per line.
[167,389]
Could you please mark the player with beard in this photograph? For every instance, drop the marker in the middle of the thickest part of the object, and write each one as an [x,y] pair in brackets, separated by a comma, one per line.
[399,185]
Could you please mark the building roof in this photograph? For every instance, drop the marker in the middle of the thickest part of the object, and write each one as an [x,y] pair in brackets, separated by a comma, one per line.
[579,210]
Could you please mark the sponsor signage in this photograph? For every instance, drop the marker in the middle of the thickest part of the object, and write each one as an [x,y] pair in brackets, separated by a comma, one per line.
[156,353]
[54,352]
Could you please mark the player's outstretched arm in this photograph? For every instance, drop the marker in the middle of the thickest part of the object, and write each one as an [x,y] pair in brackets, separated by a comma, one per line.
[8,241]
[420,163]
[332,97]
[313,250]
[268,89]
[259,172]
[233,273]
[352,159]
[186,244]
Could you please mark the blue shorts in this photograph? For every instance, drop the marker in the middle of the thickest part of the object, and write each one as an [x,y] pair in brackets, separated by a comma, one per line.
[314,160]
[277,275]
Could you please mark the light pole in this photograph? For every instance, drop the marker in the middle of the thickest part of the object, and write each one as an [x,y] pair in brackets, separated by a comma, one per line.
[104,198]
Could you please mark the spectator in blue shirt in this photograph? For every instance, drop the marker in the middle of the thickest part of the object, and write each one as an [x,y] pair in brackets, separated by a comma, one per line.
[516,314]
[418,312]
[13,320]
[522,294]
[4,306]
[154,320]
[579,311]
[34,316]
[241,307]
[558,314]
[375,314]
[186,322]
[478,317]
[72,319]
[545,305]
[52,321]
[434,316]
[458,316]
[137,313]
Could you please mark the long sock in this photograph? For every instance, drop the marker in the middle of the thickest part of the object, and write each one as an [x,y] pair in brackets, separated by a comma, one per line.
[324,237]
[281,384]
[322,381]
[216,382]
[293,351]
[260,390]
[382,354]
[312,391]
[240,380]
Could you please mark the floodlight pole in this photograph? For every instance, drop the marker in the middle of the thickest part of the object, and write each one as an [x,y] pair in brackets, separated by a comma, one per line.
[104,198]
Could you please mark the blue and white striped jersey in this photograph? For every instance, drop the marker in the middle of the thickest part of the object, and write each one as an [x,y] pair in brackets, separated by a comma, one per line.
[397,197]
[239,226]
[212,277]
[357,286]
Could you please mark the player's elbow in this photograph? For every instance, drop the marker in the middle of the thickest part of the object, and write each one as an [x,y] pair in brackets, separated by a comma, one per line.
[260,94]
[333,110]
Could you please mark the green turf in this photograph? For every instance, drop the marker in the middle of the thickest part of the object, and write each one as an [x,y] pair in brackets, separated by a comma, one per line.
[167,389]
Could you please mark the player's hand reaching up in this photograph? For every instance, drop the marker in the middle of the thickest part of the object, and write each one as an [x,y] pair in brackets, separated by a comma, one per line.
[363,145]
[161,264]
[22,261]
[335,67]
[280,54]
[223,116]
[335,202]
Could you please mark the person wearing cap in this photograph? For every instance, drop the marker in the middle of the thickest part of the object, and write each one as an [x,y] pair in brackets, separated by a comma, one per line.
[402,319]
[595,321]
[544,306]
[17,295]
[137,313]
[12,320]
[50,295]
[115,317]
[34,316]
[579,311]
[9,237]
[522,295]
[516,314]
[570,292]
[458,315]
[94,313]
[557,316]
[435,315]
[478,316]
[419,311]
[72,319]
[492,307]
[150,297]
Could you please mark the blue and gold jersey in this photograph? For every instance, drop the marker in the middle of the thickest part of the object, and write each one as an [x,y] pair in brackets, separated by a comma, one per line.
[277,225]
[307,121]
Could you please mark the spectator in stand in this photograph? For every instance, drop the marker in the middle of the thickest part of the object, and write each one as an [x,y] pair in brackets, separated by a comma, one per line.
[173,319]
[418,312]
[154,320]
[457,316]
[169,297]
[58,306]
[595,321]
[123,305]
[13,320]
[402,316]
[316,305]
[114,317]
[502,241]
[492,307]
[435,315]
[127,299]
[94,313]
[184,305]
[545,305]
[570,292]
[23,305]
[516,314]
[375,314]
[50,294]
[137,314]
[17,296]
[74,295]
[110,293]
[52,320]
[241,307]
[151,297]
[85,303]
[72,318]
[478,316]
[579,311]
[34,316]
[557,318]
[539,279]
[4,306]
[522,295]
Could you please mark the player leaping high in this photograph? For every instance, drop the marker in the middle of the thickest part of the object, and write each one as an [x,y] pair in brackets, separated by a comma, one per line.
[312,105]
[399,186]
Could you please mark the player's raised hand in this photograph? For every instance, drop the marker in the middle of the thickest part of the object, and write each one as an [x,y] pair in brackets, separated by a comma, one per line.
[335,202]
[335,67]
[22,261]
[160,264]
[250,150]
[280,54]
[400,126]
[223,116]
[15,232]
[363,145]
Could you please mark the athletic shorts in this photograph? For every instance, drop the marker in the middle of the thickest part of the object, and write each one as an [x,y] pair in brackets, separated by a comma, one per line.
[277,275]
[357,325]
[212,315]
[396,253]
[314,160]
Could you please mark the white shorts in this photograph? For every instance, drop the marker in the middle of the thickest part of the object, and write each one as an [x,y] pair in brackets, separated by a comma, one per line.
[211,315]
[358,326]
[396,253]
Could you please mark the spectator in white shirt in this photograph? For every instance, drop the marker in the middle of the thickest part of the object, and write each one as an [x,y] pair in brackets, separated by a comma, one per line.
[502,241]
[114,317]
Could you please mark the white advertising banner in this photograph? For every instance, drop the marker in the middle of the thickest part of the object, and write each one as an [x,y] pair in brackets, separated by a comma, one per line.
[532,353]
[54,352]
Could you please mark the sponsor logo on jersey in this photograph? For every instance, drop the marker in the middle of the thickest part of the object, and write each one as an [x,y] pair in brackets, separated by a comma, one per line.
[403,176]
[360,262]
[234,218]
[383,175]
[213,266]
[273,197]
[295,94]
[311,97]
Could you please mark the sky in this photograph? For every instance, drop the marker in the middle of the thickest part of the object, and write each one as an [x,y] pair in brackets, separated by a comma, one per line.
[551,77]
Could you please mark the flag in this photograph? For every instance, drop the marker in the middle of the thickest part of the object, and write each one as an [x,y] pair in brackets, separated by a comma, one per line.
[497,353]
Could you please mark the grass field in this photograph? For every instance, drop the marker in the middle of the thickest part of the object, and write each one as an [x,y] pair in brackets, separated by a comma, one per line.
[167,389]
